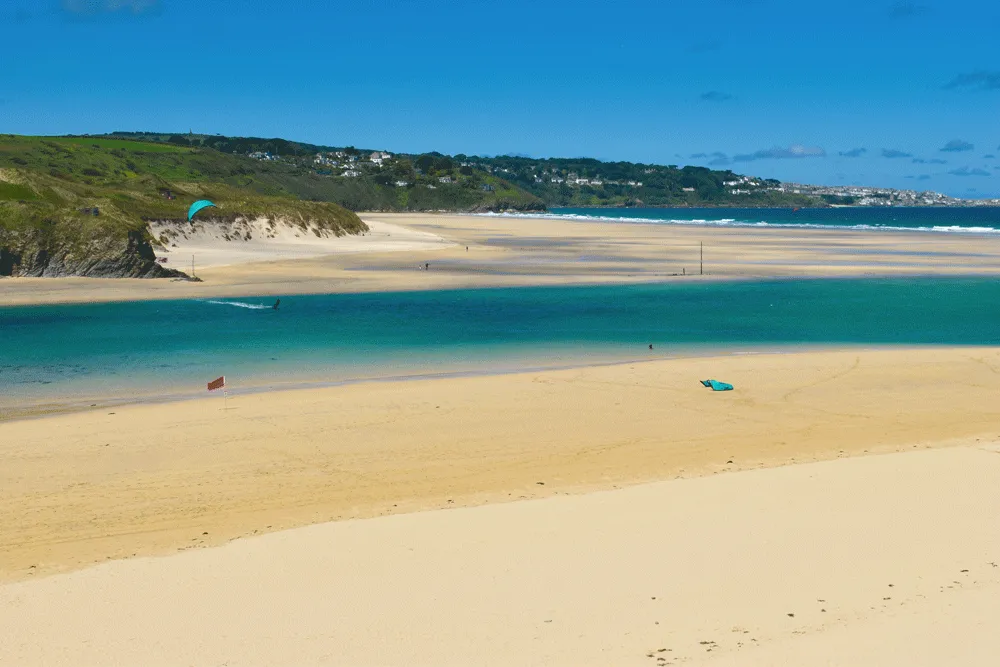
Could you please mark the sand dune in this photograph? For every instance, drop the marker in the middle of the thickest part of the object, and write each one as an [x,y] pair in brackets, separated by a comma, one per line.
[879,560]
[211,245]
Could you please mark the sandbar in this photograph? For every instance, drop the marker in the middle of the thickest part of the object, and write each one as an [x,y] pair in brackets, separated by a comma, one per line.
[443,251]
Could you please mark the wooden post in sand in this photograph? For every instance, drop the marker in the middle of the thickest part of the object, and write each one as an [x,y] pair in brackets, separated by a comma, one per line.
[701,258]
[192,267]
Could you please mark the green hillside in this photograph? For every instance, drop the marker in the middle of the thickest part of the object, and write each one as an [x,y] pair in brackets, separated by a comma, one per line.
[345,175]
[79,206]
[588,182]
[348,176]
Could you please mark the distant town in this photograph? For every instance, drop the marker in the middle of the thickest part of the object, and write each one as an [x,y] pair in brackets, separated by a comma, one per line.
[855,195]
[354,164]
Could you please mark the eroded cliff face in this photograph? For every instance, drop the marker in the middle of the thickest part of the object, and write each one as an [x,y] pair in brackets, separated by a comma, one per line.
[32,255]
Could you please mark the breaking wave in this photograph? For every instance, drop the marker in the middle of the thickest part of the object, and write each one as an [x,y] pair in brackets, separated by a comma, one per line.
[733,222]
[240,304]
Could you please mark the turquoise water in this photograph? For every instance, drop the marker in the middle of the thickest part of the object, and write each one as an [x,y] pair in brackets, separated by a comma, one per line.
[159,348]
[983,220]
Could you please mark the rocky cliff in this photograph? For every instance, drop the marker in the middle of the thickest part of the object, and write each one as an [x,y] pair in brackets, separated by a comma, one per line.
[82,224]
[130,256]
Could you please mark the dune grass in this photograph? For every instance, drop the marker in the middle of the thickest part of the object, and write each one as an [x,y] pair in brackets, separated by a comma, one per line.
[51,187]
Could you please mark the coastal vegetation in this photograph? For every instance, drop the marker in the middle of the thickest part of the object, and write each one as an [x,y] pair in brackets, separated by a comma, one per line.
[81,206]
[584,182]
[347,176]
[366,179]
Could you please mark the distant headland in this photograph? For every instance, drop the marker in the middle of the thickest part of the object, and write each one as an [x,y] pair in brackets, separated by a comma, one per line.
[82,205]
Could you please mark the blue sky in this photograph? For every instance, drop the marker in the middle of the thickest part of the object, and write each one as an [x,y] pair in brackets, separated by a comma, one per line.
[899,94]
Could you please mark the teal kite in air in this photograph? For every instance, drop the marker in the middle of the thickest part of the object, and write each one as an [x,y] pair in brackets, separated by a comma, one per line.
[197,206]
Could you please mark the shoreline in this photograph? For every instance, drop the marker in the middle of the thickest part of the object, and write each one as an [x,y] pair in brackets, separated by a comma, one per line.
[82,488]
[428,374]
[662,280]
[784,208]
[483,251]
[738,224]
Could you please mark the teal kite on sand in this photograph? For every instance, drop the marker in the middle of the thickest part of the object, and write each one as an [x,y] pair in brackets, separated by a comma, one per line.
[716,385]
[197,206]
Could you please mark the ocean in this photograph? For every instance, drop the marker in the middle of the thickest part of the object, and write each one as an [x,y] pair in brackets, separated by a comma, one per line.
[56,356]
[983,220]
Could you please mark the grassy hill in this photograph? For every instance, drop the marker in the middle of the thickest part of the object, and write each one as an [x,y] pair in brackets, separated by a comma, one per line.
[402,183]
[582,182]
[347,176]
[51,188]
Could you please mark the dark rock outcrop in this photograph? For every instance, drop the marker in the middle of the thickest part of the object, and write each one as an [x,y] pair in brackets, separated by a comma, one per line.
[129,257]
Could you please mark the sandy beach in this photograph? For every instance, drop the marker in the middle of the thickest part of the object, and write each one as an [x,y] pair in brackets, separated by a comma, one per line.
[877,560]
[549,350]
[78,489]
[838,508]
[211,249]
[485,251]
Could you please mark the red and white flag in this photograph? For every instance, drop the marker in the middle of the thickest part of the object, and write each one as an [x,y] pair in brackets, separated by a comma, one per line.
[219,383]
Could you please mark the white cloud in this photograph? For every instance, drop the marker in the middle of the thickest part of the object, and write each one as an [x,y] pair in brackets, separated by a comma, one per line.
[779,153]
